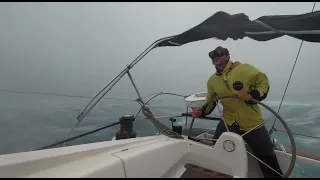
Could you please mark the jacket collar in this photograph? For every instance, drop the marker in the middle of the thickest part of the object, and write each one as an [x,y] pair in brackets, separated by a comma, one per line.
[228,67]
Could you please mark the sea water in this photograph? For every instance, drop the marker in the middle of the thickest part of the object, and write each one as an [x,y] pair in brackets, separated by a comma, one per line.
[32,121]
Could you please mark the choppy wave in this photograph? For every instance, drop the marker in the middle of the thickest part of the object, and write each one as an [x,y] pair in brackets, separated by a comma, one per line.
[28,123]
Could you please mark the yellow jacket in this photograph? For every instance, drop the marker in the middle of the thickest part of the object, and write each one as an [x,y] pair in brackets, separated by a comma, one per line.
[237,78]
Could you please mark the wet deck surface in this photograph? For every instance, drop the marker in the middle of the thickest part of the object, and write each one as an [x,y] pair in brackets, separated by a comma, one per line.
[194,171]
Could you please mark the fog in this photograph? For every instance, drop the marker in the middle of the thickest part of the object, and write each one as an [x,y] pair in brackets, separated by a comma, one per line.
[77,48]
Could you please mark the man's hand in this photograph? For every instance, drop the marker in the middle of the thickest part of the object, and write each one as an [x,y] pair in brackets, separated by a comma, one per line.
[245,97]
[196,112]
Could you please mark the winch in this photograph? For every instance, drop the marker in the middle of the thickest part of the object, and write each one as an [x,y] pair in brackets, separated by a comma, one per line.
[126,128]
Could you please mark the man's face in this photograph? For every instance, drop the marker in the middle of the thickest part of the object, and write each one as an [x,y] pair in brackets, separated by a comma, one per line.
[220,62]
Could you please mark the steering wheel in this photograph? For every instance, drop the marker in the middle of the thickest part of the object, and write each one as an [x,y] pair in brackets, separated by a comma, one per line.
[293,144]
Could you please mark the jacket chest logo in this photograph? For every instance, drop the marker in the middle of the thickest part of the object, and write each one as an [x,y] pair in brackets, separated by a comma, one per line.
[237,85]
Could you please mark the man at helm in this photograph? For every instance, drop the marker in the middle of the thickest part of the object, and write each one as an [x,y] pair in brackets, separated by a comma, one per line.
[240,114]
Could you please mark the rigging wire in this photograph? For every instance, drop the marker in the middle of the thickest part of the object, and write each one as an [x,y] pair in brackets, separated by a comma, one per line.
[285,91]
[64,95]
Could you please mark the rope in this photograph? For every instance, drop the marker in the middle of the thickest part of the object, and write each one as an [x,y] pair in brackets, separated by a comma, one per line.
[155,94]
[74,96]
[285,91]
[158,94]
[81,135]
[99,129]
[161,127]
[146,111]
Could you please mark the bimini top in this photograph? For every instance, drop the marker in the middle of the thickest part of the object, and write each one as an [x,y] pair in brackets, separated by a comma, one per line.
[222,26]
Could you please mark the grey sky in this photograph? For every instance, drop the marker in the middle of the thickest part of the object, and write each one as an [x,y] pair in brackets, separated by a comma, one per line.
[76,48]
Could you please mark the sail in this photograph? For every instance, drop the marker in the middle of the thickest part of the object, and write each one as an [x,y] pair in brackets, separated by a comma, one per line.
[222,26]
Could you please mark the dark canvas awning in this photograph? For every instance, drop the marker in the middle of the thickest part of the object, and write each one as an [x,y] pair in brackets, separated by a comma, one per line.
[222,26]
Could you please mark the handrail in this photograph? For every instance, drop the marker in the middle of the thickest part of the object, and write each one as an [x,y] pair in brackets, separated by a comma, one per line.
[116,79]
